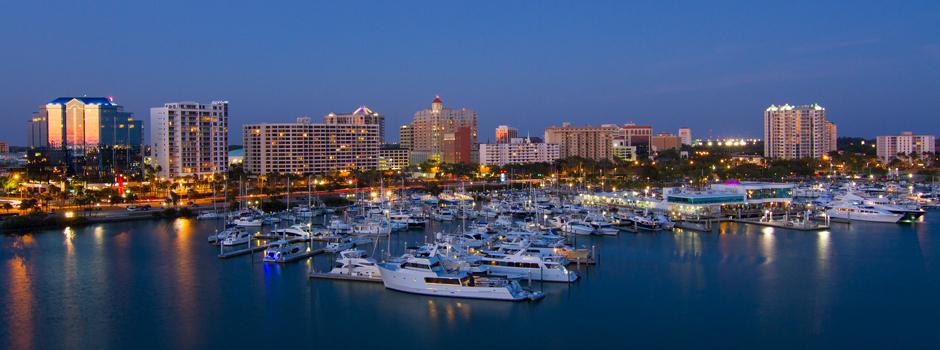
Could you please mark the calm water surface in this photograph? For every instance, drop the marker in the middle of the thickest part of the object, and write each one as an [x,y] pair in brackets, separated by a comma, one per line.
[157,284]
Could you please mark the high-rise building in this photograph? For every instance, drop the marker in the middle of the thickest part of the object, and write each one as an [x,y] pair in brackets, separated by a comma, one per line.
[519,150]
[190,138]
[587,141]
[505,133]
[88,136]
[686,135]
[444,134]
[406,137]
[4,147]
[906,143]
[305,147]
[361,116]
[795,132]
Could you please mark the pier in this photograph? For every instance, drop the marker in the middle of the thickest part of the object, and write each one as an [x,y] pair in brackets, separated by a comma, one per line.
[790,225]
[251,249]
[335,277]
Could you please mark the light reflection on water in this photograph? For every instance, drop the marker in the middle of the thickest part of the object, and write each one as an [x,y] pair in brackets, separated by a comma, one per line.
[19,302]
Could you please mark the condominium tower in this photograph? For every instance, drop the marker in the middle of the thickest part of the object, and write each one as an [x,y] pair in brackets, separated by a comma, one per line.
[361,116]
[795,132]
[587,141]
[304,147]
[906,143]
[444,134]
[190,138]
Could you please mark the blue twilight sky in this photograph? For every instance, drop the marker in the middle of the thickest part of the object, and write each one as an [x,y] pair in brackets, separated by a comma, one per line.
[710,65]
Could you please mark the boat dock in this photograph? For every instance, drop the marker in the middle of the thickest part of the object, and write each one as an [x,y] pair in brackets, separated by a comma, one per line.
[251,249]
[789,225]
[335,277]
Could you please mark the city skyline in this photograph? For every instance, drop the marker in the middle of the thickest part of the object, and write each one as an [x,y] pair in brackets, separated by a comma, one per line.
[652,64]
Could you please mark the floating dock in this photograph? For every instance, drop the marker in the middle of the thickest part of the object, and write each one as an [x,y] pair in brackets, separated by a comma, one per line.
[251,249]
[335,277]
[789,225]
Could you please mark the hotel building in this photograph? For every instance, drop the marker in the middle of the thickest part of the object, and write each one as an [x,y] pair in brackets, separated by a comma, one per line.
[443,134]
[518,151]
[304,147]
[587,141]
[406,137]
[190,138]
[906,143]
[88,136]
[796,132]
[361,116]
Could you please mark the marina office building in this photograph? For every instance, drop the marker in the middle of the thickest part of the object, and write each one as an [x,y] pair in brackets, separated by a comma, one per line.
[719,200]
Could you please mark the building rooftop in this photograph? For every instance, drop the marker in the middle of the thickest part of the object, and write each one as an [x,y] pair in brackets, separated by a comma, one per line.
[86,100]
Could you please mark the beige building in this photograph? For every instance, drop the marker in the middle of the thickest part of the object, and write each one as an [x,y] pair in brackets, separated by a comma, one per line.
[443,134]
[587,141]
[518,151]
[361,116]
[906,143]
[305,147]
[393,158]
[665,141]
[189,138]
[623,150]
[406,137]
[795,132]
[686,135]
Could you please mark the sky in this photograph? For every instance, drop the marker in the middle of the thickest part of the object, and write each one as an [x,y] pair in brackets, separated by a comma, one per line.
[713,66]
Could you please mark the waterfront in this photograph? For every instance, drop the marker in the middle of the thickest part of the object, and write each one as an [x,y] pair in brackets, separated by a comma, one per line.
[157,284]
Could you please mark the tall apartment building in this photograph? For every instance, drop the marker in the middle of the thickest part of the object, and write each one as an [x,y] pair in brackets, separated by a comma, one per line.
[444,134]
[587,141]
[906,143]
[361,116]
[406,137]
[505,133]
[795,132]
[519,150]
[304,147]
[88,136]
[190,138]
[686,135]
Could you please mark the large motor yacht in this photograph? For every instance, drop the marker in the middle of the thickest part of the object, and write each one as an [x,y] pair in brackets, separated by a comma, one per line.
[427,276]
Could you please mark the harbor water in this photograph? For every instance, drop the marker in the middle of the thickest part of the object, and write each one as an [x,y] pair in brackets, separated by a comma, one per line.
[158,284]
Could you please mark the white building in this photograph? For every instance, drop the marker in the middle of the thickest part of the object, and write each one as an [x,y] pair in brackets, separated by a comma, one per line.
[907,143]
[686,135]
[795,132]
[361,116]
[623,150]
[304,147]
[189,138]
[518,151]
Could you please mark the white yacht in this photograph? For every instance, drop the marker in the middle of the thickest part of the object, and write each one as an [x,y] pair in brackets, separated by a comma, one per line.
[209,215]
[443,215]
[577,227]
[601,225]
[428,277]
[247,221]
[283,251]
[373,228]
[238,237]
[536,267]
[294,231]
[338,226]
[856,212]
[354,262]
